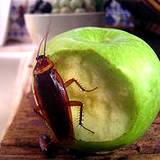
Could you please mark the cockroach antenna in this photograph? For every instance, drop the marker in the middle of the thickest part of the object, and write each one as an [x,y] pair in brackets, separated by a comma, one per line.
[45,41]
[46,37]
[38,52]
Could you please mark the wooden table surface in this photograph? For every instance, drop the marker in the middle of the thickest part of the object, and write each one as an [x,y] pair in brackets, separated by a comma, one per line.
[21,140]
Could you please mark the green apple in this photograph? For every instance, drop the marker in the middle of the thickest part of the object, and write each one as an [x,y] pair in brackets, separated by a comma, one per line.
[127,73]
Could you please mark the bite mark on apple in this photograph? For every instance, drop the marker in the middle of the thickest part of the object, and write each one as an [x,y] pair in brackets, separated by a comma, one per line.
[107,110]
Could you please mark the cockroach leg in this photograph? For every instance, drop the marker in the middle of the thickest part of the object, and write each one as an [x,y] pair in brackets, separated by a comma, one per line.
[47,145]
[80,104]
[44,142]
[70,81]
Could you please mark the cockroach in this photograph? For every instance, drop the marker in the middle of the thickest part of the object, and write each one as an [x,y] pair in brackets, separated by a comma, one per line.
[52,101]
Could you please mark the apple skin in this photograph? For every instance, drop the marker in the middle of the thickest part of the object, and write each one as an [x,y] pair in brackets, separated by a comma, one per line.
[130,56]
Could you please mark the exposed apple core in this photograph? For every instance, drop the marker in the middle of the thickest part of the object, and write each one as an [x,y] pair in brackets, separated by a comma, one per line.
[108,111]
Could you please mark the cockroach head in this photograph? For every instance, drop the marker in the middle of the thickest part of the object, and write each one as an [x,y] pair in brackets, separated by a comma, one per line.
[40,57]
[43,64]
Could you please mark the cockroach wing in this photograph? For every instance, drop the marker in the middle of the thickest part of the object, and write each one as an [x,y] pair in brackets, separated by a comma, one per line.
[53,103]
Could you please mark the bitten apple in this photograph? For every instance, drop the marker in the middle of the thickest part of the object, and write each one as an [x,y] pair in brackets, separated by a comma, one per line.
[127,73]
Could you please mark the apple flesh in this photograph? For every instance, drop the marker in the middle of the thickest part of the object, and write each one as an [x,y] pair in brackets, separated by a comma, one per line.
[127,73]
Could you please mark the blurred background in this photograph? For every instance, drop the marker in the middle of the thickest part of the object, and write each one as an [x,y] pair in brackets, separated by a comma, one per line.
[140,17]
[24,22]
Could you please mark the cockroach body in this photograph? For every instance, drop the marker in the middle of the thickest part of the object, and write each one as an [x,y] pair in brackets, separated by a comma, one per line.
[52,101]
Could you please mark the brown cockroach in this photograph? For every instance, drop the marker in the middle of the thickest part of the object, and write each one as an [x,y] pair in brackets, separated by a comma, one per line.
[52,101]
